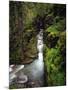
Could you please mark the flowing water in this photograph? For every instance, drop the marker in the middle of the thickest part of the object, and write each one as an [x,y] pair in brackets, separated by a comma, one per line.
[33,73]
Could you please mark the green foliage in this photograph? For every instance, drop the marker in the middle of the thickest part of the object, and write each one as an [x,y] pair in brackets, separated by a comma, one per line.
[55,48]
[56,28]
[53,60]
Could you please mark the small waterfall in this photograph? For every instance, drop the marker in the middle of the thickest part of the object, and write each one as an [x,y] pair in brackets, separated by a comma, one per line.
[40,45]
[40,57]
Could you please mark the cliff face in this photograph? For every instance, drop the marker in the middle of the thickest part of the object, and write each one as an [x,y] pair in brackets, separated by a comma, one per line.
[22,35]
[26,19]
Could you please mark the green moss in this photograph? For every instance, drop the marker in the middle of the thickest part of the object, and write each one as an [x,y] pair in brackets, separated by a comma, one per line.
[56,28]
[56,76]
